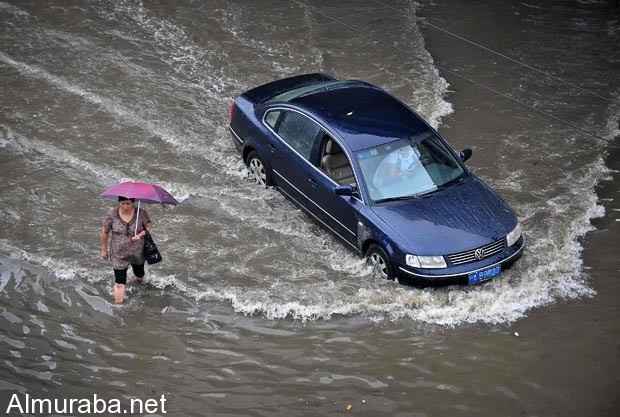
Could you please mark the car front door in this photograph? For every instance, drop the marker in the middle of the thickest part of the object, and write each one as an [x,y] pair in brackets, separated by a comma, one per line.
[333,168]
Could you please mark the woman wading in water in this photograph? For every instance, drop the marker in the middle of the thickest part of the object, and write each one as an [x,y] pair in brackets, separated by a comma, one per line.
[125,247]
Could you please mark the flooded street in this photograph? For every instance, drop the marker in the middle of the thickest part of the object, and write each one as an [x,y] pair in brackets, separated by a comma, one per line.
[256,310]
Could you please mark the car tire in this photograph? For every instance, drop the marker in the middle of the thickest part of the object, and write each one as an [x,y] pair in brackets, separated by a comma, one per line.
[258,172]
[380,262]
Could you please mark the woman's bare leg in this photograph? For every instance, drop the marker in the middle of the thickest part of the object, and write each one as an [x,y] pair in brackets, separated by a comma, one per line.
[119,293]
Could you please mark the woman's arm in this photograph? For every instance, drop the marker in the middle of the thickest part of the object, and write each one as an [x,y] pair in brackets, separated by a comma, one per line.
[142,233]
[104,243]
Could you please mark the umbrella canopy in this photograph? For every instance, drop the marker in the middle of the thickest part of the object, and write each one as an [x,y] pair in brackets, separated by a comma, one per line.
[141,192]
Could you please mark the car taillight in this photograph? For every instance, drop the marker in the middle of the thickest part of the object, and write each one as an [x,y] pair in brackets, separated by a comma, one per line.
[232,110]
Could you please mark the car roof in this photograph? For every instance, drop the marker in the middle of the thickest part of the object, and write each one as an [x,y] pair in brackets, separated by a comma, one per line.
[362,114]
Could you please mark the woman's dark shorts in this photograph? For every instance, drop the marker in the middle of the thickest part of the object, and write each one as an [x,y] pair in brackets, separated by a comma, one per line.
[120,275]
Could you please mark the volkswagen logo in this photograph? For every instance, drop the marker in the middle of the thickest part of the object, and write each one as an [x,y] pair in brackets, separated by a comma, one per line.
[479,253]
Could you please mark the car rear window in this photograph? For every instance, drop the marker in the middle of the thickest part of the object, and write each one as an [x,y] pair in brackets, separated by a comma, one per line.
[297,92]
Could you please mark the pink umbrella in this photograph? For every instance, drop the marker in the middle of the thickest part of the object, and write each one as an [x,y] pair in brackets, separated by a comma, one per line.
[142,192]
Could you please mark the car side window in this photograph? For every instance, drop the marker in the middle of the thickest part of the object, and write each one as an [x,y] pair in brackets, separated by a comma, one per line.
[335,164]
[272,117]
[299,132]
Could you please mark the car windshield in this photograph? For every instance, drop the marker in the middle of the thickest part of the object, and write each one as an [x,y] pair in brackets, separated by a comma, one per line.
[409,167]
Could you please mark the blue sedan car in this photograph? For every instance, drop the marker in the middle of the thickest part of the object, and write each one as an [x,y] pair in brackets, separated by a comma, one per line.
[377,176]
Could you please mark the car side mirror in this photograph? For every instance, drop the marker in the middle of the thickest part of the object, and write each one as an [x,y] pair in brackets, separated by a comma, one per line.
[465,154]
[346,190]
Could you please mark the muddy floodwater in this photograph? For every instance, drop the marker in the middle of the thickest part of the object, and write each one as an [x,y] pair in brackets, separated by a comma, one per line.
[256,310]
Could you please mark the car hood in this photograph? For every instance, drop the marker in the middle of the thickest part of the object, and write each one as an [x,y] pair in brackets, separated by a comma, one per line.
[462,217]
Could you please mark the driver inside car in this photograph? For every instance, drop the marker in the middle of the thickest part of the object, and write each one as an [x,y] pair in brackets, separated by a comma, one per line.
[402,163]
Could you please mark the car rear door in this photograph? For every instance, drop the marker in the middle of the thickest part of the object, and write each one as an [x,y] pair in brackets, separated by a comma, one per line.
[293,139]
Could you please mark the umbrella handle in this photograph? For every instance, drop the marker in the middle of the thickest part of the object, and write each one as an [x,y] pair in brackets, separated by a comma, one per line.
[137,218]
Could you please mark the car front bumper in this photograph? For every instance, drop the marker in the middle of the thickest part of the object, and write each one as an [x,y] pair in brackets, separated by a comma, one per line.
[458,275]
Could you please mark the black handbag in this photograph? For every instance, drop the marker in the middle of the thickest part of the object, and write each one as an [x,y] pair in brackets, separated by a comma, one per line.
[151,253]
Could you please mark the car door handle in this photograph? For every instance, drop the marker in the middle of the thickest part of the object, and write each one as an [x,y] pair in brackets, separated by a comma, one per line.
[313,182]
[271,147]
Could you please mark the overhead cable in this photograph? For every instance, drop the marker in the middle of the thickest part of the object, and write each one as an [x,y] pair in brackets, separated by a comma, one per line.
[451,72]
[506,57]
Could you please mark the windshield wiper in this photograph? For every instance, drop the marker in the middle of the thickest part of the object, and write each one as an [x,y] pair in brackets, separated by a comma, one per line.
[401,198]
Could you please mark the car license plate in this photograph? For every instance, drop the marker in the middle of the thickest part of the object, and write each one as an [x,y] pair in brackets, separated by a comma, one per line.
[484,275]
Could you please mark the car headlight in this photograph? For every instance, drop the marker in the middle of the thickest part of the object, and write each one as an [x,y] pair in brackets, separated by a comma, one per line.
[514,235]
[429,262]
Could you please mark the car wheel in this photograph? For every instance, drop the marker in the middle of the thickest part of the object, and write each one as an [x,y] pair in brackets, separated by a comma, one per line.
[258,171]
[380,262]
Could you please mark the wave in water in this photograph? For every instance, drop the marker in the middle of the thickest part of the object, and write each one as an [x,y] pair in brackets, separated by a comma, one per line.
[252,275]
